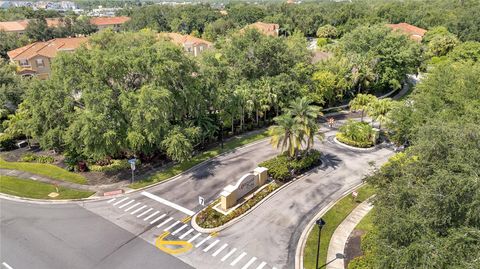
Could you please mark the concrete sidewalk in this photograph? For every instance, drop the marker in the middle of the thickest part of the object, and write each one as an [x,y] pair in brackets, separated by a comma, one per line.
[339,238]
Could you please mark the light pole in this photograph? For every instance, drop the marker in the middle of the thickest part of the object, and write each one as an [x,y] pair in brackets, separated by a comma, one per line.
[221,133]
[320,223]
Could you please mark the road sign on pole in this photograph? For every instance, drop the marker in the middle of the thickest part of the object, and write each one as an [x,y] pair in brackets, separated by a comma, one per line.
[132,166]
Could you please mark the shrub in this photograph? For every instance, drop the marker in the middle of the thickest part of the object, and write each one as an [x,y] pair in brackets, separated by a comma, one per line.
[32,158]
[283,168]
[321,42]
[357,134]
[7,142]
[115,165]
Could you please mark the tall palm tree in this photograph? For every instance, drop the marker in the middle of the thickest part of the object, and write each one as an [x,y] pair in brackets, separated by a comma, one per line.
[305,114]
[379,110]
[361,102]
[287,134]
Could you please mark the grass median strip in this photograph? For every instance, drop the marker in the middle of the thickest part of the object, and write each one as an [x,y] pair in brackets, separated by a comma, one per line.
[44,169]
[333,218]
[181,167]
[38,190]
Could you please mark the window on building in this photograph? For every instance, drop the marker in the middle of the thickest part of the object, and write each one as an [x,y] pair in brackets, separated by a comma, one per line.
[23,62]
[40,63]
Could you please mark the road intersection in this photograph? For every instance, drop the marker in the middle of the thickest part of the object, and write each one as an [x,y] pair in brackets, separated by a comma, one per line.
[121,232]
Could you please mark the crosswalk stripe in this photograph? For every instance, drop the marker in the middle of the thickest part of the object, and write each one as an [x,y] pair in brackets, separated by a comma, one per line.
[238,258]
[151,215]
[111,200]
[219,250]
[203,241]
[262,265]
[118,202]
[145,212]
[180,229]
[138,209]
[193,238]
[126,210]
[187,233]
[228,254]
[155,220]
[165,222]
[127,203]
[252,260]
[211,246]
[171,226]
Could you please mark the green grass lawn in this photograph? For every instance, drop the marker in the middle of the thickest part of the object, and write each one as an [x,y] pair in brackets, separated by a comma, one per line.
[366,224]
[44,169]
[179,168]
[39,190]
[333,218]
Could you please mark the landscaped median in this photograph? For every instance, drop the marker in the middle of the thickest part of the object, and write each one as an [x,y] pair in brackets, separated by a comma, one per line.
[38,190]
[333,218]
[44,169]
[181,167]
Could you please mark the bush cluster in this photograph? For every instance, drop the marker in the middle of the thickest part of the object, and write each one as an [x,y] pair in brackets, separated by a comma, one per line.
[359,144]
[7,142]
[211,218]
[32,158]
[112,166]
[357,134]
[284,168]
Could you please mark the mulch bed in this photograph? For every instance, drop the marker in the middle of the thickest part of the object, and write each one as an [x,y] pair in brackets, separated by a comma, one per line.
[352,247]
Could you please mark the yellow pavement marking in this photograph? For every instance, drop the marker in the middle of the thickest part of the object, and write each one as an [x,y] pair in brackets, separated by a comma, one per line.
[162,244]
[187,219]
[214,234]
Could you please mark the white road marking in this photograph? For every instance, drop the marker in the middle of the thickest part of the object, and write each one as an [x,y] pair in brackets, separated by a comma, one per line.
[111,200]
[118,202]
[135,205]
[194,237]
[238,258]
[145,212]
[151,215]
[228,254]
[262,265]
[6,265]
[180,229]
[168,203]
[252,260]
[171,226]
[203,241]
[138,209]
[165,222]
[155,220]
[211,246]
[127,203]
[219,250]
[187,233]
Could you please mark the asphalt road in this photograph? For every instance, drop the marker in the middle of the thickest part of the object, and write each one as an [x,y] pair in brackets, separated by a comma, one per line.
[68,236]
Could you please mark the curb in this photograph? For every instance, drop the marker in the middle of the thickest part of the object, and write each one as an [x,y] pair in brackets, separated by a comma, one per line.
[268,197]
[45,201]
[354,148]
[303,237]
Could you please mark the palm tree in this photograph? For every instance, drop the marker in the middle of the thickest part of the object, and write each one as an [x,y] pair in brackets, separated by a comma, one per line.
[306,115]
[287,134]
[379,110]
[361,102]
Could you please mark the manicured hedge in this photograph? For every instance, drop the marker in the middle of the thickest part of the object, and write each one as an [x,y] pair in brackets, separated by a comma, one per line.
[284,168]
[359,144]
[32,158]
[115,165]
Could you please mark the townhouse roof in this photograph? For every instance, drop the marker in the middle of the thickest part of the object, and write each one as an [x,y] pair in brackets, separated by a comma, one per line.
[265,28]
[21,25]
[102,21]
[414,32]
[48,48]
[180,39]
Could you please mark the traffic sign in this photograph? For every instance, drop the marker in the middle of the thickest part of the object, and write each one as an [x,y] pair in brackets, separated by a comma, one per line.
[201,200]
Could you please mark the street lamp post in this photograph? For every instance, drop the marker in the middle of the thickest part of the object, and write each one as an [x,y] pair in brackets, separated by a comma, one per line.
[221,133]
[320,223]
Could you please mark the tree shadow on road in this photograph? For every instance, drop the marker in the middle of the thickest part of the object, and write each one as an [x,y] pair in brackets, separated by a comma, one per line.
[330,160]
[206,170]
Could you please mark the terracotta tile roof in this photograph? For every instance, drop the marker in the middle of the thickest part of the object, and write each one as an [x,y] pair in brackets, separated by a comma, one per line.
[21,25]
[102,21]
[180,39]
[48,49]
[414,32]
[265,28]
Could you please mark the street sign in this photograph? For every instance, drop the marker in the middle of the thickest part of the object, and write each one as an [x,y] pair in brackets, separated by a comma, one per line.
[132,163]
[201,200]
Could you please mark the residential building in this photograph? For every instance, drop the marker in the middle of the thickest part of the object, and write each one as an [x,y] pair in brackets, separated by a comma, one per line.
[414,32]
[191,44]
[35,59]
[270,29]
[109,22]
